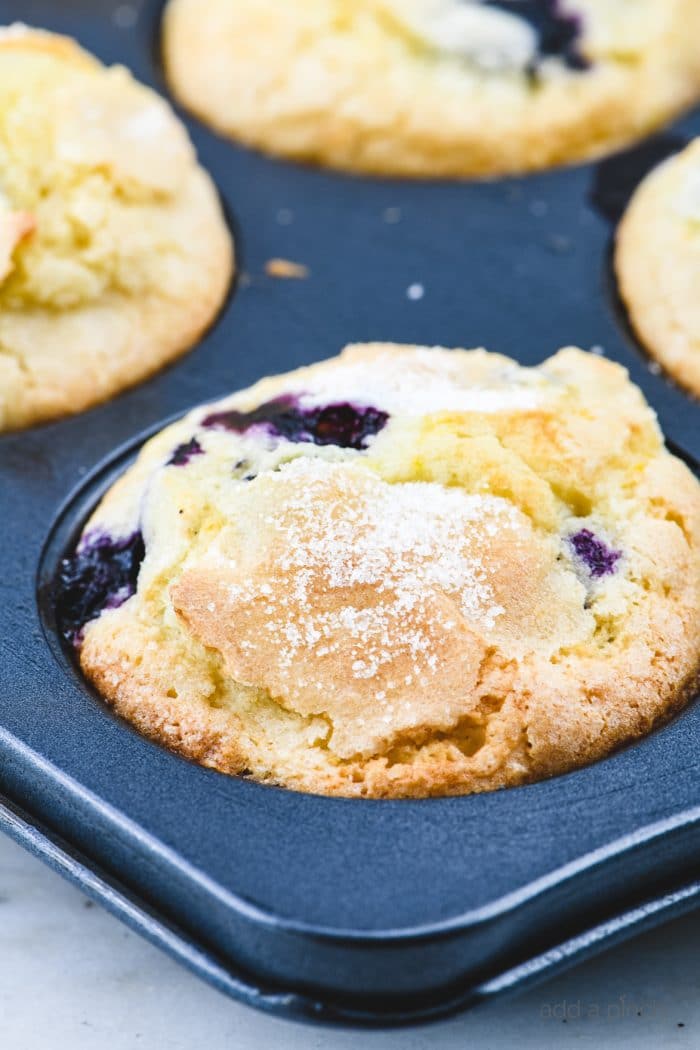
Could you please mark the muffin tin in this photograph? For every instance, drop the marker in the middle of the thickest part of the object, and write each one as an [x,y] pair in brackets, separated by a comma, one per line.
[352,911]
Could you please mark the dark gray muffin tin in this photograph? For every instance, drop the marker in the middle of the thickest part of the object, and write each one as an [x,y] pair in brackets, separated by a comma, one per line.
[351,911]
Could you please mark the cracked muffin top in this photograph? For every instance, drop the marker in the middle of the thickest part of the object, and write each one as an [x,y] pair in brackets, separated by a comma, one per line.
[400,572]
[452,88]
[114,254]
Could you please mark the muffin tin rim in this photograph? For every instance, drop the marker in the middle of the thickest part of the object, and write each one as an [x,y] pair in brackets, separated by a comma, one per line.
[341,184]
[69,520]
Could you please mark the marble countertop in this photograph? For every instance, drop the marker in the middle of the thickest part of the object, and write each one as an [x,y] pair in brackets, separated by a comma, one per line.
[71,976]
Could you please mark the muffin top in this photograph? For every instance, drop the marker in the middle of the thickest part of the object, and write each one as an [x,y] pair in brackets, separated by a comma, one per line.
[114,254]
[84,152]
[657,260]
[434,87]
[403,571]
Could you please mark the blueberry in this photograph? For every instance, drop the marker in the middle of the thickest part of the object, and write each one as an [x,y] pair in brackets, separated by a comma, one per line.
[342,424]
[558,34]
[599,559]
[184,453]
[100,575]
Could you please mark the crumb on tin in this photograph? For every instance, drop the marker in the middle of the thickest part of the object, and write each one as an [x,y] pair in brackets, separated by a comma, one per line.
[286,268]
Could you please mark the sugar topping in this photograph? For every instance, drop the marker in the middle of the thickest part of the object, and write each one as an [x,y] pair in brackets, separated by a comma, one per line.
[492,39]
[494,35]
[118,125]
[364,564]
[17,30]
[427,382]
[369,602]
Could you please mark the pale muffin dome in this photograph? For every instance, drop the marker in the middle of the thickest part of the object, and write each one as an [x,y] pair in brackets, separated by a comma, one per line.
[114,255]
[452,88]
[658,265]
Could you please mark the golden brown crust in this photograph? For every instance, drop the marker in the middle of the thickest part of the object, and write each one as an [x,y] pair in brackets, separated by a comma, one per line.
[410,619]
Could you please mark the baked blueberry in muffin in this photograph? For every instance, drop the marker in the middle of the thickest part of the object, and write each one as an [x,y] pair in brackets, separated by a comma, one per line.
[343,425]
[400,572]
[452,88]
[101,574]
[557,31]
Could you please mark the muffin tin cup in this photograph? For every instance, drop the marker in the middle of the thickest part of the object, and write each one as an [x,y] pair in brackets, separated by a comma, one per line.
[339,910]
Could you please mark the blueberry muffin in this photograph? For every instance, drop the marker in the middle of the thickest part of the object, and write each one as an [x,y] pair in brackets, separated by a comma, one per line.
[400,572]
[114,254]
[658,265]
[434,87]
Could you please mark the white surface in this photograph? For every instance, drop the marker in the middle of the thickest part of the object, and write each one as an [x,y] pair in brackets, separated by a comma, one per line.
[73,978]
